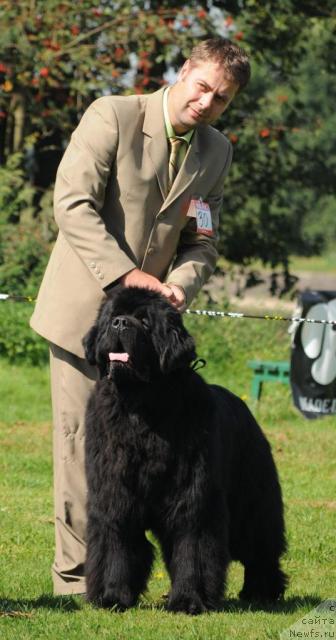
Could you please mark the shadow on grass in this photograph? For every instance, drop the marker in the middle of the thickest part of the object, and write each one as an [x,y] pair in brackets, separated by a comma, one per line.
[17,608]
[234,605]
[66,604]
[287,605]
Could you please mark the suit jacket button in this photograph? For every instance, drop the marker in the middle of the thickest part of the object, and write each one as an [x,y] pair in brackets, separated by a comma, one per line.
[150,251]
[92,264]
[100,276]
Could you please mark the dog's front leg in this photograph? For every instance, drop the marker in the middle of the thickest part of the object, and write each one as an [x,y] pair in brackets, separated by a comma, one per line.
[213,560]
[94,563]
[128,563]
[182,561]
[197,564]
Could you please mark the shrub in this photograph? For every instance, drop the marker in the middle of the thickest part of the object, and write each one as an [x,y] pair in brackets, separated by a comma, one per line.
[18,342]
[27,230]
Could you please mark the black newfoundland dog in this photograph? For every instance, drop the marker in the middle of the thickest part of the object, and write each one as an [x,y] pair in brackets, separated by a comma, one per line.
[165,451]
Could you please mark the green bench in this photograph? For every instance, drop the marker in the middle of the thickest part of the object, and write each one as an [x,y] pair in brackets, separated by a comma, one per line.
[265,371]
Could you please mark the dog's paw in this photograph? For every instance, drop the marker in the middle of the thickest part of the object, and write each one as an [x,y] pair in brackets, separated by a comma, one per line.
[264,587]
[186,603]
[118,599]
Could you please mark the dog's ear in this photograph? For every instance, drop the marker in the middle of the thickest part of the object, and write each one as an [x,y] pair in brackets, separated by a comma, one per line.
[113,289]
[89,341]
[178,349]
[89,344]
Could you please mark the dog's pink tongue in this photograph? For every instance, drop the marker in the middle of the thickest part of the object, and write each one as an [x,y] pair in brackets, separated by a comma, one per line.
[122,357]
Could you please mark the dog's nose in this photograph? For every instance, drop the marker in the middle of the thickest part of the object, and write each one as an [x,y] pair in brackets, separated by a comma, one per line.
[120,323]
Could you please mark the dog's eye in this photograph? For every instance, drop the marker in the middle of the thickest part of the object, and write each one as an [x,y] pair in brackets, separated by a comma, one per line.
[145,323]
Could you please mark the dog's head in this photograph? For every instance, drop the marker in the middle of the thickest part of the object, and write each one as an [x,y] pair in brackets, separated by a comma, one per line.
[139,335]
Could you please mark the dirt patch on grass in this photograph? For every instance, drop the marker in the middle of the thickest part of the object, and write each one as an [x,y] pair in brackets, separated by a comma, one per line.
[264,289]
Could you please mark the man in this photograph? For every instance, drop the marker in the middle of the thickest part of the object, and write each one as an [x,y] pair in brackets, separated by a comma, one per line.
[133,206]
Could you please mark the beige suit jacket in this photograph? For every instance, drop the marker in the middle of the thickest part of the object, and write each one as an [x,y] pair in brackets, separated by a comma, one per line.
[114,212]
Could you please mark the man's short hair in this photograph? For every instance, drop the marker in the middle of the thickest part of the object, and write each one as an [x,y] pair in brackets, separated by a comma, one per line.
[230,56]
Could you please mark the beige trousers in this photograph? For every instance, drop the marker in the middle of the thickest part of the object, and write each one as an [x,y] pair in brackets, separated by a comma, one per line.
[72,380]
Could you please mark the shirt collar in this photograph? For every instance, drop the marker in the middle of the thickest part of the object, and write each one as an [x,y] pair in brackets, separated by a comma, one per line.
[169,128]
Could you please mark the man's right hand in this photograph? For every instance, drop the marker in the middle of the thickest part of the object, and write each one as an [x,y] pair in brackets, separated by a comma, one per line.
[137,278]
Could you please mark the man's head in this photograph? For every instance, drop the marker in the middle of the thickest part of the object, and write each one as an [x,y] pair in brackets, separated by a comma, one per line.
[208,81]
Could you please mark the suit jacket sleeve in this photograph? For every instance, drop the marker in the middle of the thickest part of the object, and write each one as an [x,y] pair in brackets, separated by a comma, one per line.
[80,190]
[197,254]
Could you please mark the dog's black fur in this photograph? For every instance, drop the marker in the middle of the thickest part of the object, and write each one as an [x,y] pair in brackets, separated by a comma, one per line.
[165,451]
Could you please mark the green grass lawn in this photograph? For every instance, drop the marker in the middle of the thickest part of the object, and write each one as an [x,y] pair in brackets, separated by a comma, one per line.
[323,263]
[305,453]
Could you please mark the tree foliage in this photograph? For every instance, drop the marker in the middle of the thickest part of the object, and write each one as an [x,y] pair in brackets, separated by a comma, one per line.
[285,158]
[56,56]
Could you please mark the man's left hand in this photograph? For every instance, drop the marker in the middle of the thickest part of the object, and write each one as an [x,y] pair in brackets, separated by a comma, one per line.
[178,299]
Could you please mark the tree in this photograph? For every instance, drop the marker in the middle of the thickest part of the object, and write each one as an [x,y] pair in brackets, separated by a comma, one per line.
[56,57]
[284,156]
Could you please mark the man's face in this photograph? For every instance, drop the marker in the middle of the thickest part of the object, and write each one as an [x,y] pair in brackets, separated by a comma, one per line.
[202,93]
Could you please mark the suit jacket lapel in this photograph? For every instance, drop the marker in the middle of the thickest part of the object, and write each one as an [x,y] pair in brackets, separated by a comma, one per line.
[156,141]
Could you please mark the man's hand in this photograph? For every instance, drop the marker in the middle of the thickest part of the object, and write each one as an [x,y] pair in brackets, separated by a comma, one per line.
[179,297]
[137,278]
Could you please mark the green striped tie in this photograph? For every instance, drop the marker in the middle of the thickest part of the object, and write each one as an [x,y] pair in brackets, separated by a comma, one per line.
[173,167]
